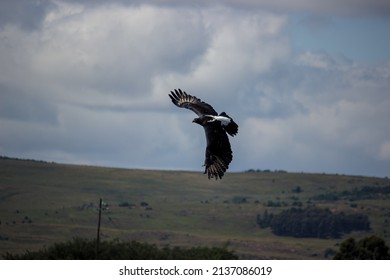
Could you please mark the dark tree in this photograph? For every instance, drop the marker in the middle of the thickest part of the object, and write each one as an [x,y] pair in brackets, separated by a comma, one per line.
[312,222]
[368,248]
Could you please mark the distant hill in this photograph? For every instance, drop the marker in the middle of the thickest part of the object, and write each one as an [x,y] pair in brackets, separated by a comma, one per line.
[42,203]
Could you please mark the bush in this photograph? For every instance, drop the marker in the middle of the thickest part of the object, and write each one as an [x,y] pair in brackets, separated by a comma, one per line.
[368,248]
[239,199]
[83,249]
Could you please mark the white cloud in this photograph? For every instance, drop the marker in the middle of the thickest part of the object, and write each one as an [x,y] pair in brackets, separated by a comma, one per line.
[242,46]
[316,60]
[314,111]
[384,151]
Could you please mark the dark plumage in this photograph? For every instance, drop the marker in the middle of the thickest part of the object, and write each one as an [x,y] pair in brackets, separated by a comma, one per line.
[218,151]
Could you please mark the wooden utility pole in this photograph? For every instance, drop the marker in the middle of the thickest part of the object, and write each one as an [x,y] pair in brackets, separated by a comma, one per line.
[98,229]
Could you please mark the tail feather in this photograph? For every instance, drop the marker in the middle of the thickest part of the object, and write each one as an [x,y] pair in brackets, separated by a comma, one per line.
[232,127]
[215,167]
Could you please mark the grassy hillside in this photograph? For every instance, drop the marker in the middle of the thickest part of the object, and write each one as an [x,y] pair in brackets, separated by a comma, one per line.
[42,203]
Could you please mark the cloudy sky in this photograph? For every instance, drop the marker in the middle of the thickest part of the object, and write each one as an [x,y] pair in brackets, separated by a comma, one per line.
[87,82]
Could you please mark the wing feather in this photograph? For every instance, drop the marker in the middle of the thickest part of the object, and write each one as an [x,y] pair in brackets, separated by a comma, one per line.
[218,151]
[182,99]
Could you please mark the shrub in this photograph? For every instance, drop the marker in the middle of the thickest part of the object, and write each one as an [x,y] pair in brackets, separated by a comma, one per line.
[83,249]
[368,248]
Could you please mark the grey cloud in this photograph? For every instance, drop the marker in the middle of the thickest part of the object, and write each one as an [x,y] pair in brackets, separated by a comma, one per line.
[24,13]
[92,87]
[314,7]
[102,57]
[16,105]
[343,127]
[30,14]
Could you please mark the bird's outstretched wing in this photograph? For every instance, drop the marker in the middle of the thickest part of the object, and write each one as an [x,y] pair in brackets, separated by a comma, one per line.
[218,151]
[182,99]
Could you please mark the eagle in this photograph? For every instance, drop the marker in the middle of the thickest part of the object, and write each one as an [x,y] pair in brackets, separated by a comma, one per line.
[216,127]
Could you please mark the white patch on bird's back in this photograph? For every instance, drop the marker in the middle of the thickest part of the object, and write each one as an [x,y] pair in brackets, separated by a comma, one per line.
[224,120]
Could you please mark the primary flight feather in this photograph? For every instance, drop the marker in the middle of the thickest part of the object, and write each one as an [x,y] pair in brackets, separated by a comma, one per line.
[218,151]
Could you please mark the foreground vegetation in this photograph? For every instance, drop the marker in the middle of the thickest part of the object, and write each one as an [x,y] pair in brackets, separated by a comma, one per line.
[368,248]
[42,204]
[83,249]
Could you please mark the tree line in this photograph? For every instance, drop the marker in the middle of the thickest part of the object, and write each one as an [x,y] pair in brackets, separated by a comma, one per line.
[365,192]
[312,222]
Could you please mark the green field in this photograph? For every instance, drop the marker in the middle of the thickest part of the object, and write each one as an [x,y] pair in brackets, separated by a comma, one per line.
[43,203]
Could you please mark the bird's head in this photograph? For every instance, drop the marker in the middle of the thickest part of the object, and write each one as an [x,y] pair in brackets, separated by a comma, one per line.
[197,120]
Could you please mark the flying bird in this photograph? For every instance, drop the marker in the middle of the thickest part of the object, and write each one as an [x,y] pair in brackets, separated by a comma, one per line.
[218,151]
